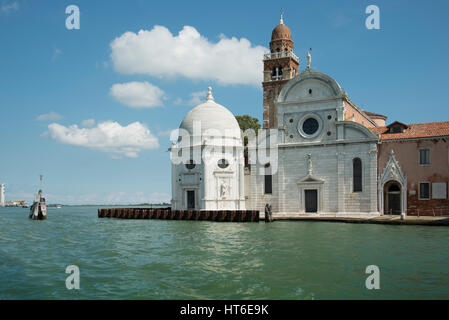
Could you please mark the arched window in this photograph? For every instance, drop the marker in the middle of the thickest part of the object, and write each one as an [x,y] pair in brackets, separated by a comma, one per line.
[357,175]
[276,73]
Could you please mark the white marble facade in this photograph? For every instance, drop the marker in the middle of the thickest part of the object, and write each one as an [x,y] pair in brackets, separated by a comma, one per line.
[316,153]
[207,160]
[311,166]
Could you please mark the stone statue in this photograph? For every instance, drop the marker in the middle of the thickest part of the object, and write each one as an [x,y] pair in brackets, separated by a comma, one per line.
[223,189]
[268,213]
[309,160]
[309,60]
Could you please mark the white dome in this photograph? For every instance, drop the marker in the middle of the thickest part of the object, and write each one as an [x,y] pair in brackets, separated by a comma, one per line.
[212,115]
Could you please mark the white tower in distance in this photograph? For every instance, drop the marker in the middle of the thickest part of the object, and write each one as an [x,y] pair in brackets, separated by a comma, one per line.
[2,195]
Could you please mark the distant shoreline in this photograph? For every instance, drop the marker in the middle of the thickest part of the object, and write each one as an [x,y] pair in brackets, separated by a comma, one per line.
[119,205]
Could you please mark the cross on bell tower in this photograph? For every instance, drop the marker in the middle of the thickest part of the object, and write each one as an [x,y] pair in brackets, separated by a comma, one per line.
[280,65]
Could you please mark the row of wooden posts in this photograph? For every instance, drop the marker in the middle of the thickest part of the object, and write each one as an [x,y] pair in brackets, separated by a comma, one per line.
[168,214]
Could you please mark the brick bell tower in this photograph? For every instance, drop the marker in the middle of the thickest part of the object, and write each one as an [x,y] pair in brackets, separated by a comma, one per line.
[279,66]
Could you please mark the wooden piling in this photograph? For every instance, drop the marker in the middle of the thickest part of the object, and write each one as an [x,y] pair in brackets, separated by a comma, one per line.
[168,214]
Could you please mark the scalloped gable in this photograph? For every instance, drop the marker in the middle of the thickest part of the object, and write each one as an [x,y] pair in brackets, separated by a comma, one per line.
[356,131]
[312,85]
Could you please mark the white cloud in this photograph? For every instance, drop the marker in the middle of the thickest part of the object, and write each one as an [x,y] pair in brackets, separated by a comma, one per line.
[159,197]
[196,98]
[108,136]
[8,7]
[167,133]
[178,101]
[158,52]
[52,116]
[137,94]
[138,197]
[56,53]
[88,123]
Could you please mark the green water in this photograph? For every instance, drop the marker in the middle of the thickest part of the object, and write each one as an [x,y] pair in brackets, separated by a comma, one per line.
[155,259]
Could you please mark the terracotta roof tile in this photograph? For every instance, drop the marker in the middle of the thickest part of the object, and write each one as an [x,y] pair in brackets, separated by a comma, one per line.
[416,130]
[375,115]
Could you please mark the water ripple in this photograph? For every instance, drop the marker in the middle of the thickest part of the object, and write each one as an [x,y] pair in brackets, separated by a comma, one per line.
[155,259]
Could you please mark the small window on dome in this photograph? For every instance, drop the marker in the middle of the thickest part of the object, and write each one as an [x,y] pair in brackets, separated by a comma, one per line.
[190,165]
[223,163]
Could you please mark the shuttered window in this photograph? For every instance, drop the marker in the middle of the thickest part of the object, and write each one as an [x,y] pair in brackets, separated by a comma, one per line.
[424,191]
[424,156]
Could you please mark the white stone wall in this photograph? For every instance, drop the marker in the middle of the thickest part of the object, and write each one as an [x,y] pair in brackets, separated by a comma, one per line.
[322,161]
[333,165]
[215,188]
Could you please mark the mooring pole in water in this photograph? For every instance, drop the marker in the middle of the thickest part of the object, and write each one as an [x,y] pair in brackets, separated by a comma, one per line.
[268,213]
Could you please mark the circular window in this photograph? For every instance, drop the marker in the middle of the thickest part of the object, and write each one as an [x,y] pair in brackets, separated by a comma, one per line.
[310,126]
[190,165]
[223,163]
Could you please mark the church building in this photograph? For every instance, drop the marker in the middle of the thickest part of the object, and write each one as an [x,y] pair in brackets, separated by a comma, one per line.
[327,155]
[319,152]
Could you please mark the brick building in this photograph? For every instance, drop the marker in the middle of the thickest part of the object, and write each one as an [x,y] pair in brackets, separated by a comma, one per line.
[413,162]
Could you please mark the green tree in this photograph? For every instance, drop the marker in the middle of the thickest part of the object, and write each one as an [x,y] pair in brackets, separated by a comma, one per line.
[248,122]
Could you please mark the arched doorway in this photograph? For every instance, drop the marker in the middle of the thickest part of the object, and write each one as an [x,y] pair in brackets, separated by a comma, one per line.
[392,198]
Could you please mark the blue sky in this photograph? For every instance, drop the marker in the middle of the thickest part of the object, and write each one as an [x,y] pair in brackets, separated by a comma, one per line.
[51,76]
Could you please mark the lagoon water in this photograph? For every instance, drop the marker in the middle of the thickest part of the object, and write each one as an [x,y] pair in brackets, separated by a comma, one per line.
[157,259]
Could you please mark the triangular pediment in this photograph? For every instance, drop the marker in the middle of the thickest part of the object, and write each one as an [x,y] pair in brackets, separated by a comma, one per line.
[310,179]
